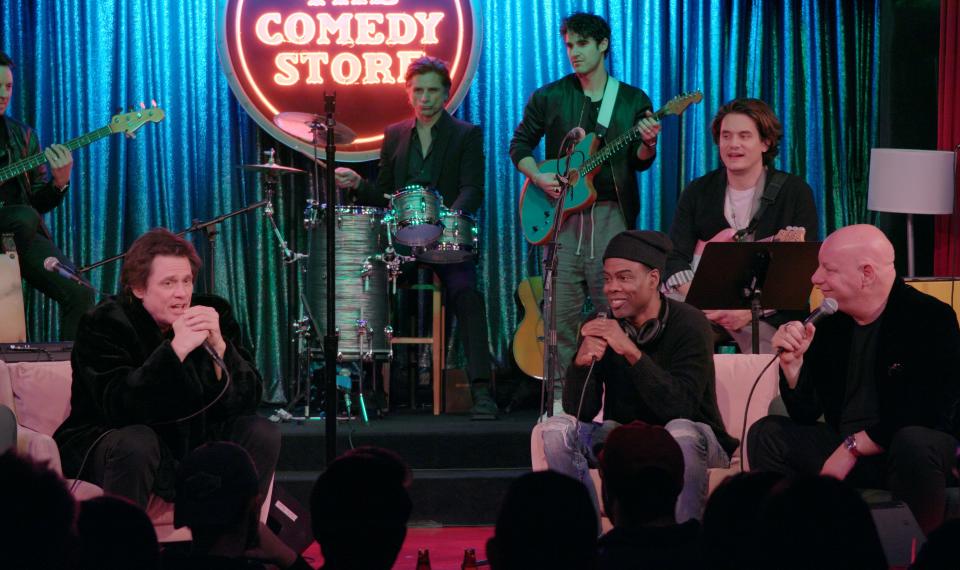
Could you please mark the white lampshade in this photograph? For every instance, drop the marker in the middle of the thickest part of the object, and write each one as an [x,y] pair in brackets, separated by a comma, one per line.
[911,181]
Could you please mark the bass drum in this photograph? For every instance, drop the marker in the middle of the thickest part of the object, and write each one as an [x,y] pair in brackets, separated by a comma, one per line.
[360,281]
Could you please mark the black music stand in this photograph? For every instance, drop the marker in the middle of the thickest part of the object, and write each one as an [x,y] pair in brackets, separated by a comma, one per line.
[755,275]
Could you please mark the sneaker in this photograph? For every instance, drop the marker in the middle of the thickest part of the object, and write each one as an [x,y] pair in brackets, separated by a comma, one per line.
[484,406]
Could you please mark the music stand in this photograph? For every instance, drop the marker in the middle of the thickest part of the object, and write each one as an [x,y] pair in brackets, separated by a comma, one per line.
[755,275]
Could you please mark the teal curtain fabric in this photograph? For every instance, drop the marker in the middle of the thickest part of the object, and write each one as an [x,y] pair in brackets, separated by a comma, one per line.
[815,62]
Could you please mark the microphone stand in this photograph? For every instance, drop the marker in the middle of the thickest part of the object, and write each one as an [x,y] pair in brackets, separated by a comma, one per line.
[330,339]
[551,355]
[753,290]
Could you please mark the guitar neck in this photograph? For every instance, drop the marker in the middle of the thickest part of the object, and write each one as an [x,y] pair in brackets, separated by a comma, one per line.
[29,163]
[616,145]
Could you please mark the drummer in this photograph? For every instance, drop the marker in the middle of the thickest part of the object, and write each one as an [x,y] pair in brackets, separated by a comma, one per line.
[435,150]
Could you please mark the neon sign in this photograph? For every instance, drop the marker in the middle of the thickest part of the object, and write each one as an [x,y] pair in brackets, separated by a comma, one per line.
[281,55]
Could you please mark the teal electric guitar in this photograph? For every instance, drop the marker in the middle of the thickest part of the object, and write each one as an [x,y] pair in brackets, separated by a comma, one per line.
[538,209]
[126,123]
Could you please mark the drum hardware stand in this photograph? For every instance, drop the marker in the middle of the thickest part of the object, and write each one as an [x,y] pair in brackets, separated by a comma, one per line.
[270,182]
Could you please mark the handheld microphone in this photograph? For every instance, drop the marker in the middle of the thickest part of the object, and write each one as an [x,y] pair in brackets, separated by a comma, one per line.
[602,315]
[213,354]
[54,265]
[826,308]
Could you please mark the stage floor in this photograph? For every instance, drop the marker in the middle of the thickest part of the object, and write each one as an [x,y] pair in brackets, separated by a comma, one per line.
[461,468]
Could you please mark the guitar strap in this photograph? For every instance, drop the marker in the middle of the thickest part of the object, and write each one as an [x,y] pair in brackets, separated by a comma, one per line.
[606,106]
[769,196]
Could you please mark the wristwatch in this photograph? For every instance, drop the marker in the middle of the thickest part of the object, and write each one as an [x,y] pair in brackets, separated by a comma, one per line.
[850,442]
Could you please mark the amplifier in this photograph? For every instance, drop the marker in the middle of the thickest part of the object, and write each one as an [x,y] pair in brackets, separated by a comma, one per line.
[35,351]
[12,322]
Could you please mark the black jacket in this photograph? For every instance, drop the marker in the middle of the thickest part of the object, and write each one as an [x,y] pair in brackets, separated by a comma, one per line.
[673,379]
[33,188]
[125,372]
[460,178]
[699,214]
[555,108]
[917,368]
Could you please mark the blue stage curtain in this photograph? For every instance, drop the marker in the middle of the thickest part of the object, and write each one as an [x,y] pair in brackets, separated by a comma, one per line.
[815,62]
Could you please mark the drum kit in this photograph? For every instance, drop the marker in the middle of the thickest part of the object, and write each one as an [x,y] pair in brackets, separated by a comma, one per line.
[370,245]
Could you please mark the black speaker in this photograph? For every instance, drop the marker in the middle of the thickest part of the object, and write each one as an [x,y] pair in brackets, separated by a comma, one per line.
[899,532]
[289,520]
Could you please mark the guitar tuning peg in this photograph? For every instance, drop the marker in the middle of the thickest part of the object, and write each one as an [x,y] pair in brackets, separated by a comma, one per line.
[153,102]
[142,105]
[118,110]
[131,135]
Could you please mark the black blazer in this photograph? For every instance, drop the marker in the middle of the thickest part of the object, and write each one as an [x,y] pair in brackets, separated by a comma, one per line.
[460,177]
[917,368]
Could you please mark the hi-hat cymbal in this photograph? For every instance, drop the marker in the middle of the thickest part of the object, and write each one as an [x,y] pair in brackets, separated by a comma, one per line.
[271,169]
[300,125]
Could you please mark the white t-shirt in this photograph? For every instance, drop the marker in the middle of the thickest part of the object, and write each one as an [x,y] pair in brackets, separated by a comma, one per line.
[738,207]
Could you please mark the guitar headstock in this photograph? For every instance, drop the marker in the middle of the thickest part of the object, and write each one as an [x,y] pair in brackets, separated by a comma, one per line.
[679,104]
[128,123]
[791,233]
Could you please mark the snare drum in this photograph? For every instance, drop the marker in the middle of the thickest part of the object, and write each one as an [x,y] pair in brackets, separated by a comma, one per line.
[458,243]
[360,281]
[416,216]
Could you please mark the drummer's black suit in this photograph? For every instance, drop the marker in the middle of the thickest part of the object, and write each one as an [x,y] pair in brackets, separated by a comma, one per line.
[459,172]
[453,166]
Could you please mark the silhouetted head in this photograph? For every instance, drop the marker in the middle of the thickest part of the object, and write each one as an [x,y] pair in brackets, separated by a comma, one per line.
[548,521]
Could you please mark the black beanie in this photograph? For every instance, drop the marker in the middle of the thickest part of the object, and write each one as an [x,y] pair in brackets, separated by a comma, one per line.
[647,247]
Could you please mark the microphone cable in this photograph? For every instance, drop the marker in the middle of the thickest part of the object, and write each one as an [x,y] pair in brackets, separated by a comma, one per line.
[827,307]
[746,410]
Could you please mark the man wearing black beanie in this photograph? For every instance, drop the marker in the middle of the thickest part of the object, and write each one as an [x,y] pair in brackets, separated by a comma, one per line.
[649,359]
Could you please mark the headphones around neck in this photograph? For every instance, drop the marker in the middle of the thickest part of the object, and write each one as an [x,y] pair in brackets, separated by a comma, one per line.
[652,329]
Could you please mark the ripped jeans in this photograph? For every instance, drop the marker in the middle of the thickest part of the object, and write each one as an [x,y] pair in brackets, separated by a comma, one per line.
[570,447]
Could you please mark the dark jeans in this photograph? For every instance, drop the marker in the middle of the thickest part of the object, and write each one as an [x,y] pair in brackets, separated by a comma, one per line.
[33,247]
[916,467]
[463,299]
[126,460]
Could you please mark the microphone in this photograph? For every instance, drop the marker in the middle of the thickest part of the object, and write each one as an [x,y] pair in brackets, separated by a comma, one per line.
[213,354]
[576,135]
[826,308]
[54,265]
[602,315]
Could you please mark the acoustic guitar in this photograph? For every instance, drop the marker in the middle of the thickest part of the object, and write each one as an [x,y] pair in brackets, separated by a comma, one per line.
[528,340]
[538,209]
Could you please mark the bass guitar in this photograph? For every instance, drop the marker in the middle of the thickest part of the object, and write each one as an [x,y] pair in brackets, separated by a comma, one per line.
[538,209]
[126,123]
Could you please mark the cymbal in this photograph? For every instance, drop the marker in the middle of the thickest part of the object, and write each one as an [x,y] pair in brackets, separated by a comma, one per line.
[271,169]
[299,125]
